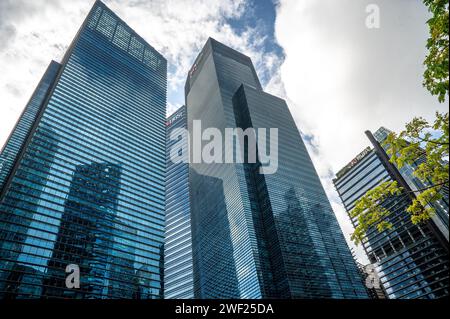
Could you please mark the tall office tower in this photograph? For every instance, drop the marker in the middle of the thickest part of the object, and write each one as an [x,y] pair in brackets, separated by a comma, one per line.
[83,172]
[178,268]
[411,260]
[256,235]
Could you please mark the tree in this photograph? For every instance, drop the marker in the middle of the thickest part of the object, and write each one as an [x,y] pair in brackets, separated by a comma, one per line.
[421,145]
[424,147]
[436,62]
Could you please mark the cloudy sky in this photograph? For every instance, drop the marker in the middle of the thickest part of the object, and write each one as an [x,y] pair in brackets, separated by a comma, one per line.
[340,78]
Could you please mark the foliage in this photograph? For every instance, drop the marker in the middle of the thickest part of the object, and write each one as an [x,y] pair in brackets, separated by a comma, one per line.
[422,146]
[370,211]
[436,75]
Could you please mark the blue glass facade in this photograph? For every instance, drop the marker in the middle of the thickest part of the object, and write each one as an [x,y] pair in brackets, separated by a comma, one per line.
[88,184]
[178,267]
[255,235]
[411,260]
[21,131]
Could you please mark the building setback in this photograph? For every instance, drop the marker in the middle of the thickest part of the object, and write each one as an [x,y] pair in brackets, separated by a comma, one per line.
[254,235]
[411,260]
[82,175]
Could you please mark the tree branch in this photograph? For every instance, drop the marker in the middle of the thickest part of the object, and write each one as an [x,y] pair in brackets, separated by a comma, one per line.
[431,141]
[427,188]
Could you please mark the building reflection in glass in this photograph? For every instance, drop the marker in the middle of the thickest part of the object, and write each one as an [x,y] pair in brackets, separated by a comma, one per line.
[20,213]
[214,267]
[85,235]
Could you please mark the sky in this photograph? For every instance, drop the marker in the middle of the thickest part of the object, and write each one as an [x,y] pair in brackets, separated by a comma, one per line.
[339,77]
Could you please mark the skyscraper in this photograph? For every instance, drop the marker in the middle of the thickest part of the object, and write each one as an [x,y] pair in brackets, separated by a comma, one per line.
[411,260]
[21,131]
[178,267]
[279,235]
[82,175]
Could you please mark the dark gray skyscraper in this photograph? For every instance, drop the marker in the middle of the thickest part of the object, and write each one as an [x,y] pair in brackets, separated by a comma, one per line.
[279,237]
[82,176]
[411,260]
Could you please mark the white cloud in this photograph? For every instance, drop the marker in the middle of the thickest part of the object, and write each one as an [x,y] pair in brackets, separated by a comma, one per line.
[40,30]
[32,34]
[341,78]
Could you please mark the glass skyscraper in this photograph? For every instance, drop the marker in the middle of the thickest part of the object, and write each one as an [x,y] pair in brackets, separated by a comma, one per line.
[82,175]
[178,267]
[22,129]
[411,260]
[259,235]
